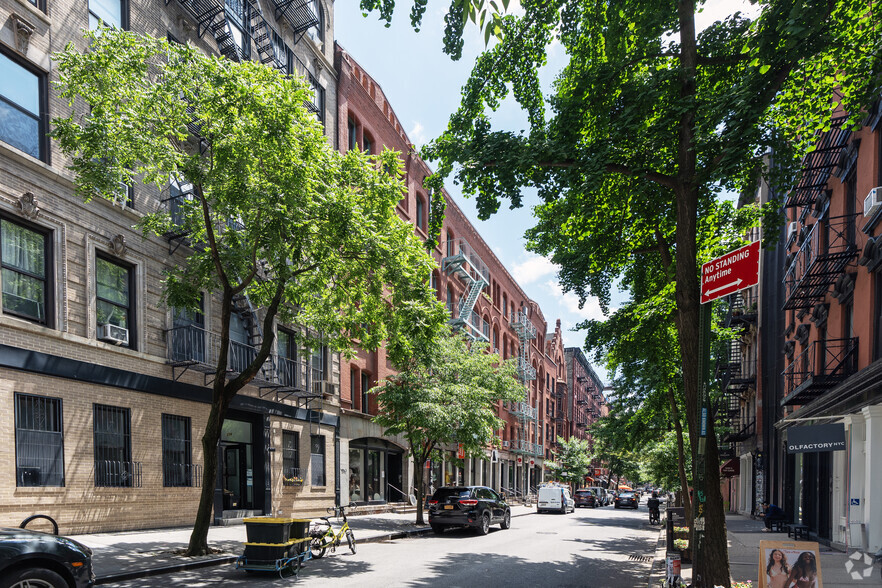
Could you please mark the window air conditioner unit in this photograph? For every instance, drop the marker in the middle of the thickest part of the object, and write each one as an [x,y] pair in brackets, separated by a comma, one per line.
[113,334]
[323,387]
[792,230]
[505,444]
[873,201]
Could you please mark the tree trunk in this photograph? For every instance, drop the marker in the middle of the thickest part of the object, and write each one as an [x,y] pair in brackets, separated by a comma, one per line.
[199,537]
[418,477]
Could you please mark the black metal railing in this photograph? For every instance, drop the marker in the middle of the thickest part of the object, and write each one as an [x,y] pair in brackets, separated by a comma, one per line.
[821,365]
[181,475]
[744,433]
[821,259]
[118,474]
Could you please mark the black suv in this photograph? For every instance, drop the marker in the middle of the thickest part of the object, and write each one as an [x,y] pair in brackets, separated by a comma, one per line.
[468,506]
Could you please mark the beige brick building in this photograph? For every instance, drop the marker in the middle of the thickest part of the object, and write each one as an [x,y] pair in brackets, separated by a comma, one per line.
[103,390]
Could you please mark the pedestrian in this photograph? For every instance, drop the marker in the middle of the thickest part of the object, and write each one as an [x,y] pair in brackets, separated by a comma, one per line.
[772,512]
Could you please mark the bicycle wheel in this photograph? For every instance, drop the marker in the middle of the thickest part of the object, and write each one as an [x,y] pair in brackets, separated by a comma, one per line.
[317,547]
[350,538]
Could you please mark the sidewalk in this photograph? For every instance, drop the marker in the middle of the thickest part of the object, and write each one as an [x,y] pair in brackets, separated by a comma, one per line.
[127,555]
[744,536]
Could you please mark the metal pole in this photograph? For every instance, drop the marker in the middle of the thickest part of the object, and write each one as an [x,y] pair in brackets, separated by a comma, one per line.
[704,414]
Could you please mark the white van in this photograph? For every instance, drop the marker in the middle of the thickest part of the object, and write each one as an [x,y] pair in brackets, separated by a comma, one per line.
[555,498]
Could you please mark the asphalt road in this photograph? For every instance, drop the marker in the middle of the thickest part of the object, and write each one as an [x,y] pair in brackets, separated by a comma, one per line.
[599,548]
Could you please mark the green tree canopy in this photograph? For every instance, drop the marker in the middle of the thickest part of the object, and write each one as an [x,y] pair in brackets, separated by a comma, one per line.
[571,461]
[447,395]
[273,212]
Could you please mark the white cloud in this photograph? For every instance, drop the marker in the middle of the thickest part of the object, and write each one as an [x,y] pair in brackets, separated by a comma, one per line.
[417,134]
[533,269]
[715,10]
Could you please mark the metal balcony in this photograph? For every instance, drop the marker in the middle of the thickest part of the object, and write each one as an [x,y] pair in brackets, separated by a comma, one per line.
[819,165]
[298,14]
[743,434]
[821,366]
[822,258]
[524,410]
[523,326]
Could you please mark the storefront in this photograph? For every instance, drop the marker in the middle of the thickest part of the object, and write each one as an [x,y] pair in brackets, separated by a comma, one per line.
[376,471]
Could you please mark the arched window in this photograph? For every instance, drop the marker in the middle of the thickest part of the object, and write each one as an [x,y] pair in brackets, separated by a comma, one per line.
[353,133]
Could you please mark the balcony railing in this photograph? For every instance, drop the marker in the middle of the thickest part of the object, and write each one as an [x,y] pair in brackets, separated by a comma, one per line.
[743,434]
[195,348]
[292,477]
[818,165]
[523,409]
[828,248]
[822,365]
[528,447]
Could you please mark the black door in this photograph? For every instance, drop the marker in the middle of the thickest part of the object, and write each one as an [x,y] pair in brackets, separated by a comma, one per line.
[395,488]
[825,494]
[236,496]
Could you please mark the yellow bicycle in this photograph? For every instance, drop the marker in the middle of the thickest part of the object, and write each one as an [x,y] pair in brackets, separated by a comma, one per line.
[324,537]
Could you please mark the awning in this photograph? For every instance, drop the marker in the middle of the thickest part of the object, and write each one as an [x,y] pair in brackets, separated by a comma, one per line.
[731,467]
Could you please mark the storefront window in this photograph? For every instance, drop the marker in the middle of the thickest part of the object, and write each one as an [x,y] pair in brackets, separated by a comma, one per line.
[375,475]
[356,463]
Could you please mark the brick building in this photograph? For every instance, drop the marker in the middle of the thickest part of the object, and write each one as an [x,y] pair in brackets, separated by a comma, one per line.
[103,390]
[828,340]
[483,299]
[584,404]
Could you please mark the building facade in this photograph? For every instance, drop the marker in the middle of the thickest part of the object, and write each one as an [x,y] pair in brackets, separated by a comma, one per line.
[585,403]
[104,392]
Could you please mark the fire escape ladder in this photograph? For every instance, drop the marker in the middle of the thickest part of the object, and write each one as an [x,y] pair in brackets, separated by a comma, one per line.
[204,12]
[297,13]
[243,307]
[270,49]
[468,267]
[222,32]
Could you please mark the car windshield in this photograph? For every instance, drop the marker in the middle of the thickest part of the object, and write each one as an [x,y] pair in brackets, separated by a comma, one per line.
[583,493]
[626,495]
[450,494]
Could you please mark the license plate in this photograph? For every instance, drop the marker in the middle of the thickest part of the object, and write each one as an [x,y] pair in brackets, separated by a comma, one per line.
[448,507]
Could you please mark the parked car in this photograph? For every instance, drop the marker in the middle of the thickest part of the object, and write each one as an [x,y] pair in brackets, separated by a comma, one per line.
[477,507]
[555,498]
[604,497]
[34,559]
[628,499]
[585,497]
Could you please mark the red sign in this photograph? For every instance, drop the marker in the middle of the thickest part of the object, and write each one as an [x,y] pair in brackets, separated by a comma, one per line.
[460,452]
[734,271]
[532,462]
[520,460]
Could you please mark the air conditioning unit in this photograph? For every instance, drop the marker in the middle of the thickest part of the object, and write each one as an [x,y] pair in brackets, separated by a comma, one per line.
[113,334]
[324,388]
[873,201]
[792,230]
[505,444]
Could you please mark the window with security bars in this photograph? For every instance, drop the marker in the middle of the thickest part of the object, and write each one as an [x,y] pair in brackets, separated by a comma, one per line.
[177,464]
[39,441]
[114,467]
[291,459]
[317,460]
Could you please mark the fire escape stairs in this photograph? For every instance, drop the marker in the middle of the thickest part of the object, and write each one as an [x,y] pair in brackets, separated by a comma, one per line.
[466,265]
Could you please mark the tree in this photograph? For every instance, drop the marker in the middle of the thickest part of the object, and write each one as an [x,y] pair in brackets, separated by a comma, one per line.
[571,461]
[310,236]
[650,120]
[447,394]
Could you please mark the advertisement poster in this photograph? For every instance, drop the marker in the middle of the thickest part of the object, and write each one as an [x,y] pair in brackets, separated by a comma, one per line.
[789,564]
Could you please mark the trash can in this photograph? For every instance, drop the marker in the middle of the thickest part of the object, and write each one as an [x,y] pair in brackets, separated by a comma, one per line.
[268,530]
[300,534]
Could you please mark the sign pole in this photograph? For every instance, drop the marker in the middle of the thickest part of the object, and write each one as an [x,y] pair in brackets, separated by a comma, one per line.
[704,414]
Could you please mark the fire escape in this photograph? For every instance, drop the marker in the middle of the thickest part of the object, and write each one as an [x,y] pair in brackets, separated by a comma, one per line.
[464,263]
[825,250]
[525,413]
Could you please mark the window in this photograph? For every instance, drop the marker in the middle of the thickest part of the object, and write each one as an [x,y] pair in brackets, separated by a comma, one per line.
[39,441]
[317,32]
[288,368]
[22,100]
[115,292]
[291,459]
[112,428]
[317,364]
[24,258]
[318,99]
[365,397]
[177,465]
[449,244]
[317,460]
[419,212]
[449,300]
[282,54]
[111,13]
[368,144]
[353,134]
[237,23]
[188,334]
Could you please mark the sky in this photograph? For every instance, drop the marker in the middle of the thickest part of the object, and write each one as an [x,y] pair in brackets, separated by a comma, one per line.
[423,87]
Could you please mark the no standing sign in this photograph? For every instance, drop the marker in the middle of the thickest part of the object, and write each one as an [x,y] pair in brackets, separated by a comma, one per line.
[729,273]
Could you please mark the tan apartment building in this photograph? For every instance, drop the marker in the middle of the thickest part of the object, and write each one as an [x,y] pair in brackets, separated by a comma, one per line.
[104,391]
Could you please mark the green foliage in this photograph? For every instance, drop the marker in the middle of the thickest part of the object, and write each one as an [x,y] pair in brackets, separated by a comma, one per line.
[571,462]
[277,213]
[659,465]
[448,395]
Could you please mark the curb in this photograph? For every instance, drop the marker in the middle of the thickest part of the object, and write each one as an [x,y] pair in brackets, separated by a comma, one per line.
[658,560]
[228,559]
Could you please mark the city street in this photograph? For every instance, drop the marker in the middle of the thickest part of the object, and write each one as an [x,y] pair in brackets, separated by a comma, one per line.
[598,547]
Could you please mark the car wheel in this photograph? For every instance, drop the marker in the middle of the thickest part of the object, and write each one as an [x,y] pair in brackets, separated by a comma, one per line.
[484,525]
[34,578]
[506,521]
[437,529]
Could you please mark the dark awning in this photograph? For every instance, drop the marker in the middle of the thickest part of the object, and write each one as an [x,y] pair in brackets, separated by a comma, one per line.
[731,467]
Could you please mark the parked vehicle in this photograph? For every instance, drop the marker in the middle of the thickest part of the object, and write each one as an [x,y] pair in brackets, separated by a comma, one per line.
[555,498]
[35,559]
[627,499]
[477,507]
[604,497]
[585,497]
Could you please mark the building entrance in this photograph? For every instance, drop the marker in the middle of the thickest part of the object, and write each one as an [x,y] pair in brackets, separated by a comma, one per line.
[237,467]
